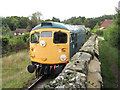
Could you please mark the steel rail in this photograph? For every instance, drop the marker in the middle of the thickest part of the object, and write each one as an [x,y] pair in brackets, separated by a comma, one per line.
[32,85]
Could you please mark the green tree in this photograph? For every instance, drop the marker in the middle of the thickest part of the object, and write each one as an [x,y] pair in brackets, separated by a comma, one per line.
[15,22]
[47,20]
[55,19]
[112,33]
[5,43]
[35,19]
[70,20]
[88,22]
[23,22]
[77,21]
[96,26]
[6,31]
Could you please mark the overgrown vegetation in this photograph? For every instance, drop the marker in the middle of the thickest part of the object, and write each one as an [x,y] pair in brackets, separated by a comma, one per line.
[97,30]
[107,57]
[14,70]
[15,43]
[14,22]
[109,53]
[88,22]
[112,33]
[112,37]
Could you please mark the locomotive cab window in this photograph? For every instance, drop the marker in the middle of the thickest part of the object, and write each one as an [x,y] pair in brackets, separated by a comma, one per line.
[35,38]
[46,34]
[60,37]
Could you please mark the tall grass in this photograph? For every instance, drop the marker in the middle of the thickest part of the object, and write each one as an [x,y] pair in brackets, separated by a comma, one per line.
[107,73]
[14,72]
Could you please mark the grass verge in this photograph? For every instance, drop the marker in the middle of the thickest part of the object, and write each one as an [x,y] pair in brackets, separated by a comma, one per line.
[14,70]
[105,58]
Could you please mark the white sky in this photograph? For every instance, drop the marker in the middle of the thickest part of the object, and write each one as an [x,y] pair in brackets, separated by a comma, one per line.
[62,9]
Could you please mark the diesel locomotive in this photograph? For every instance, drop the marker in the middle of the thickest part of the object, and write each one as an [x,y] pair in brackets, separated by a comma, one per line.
[52,45]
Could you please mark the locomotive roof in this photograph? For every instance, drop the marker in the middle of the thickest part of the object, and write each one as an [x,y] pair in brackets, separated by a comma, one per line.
[71,28]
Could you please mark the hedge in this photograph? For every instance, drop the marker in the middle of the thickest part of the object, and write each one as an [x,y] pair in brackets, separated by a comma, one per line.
[15,44]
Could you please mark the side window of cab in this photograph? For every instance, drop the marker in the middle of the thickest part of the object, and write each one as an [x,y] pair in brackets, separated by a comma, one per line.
[35,37]
[71,37]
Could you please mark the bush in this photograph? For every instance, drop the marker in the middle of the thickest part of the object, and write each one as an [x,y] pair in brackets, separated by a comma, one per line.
[19,42]
[15,44]
[26,38]
[111,35]
[99,32]
[94,31]
[5,42]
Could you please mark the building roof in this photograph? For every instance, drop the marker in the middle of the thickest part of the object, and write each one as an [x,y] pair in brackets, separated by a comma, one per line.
[106,23]
[21,30]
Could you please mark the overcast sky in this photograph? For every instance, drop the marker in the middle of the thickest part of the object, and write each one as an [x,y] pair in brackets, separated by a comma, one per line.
[62,9]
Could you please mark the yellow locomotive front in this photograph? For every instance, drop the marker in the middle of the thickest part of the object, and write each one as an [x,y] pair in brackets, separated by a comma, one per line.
[49,48]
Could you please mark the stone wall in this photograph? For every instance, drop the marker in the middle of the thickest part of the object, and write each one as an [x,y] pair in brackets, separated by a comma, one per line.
[83,71]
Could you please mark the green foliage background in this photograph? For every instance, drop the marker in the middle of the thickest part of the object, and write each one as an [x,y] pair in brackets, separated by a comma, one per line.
[112,33]
[15,43]
[15,22]
[88,22]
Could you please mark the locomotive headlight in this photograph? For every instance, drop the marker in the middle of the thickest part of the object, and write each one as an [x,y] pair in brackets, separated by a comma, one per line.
[42,43]
[63,57]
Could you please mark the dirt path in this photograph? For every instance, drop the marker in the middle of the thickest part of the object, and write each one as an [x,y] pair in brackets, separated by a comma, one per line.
[113,67]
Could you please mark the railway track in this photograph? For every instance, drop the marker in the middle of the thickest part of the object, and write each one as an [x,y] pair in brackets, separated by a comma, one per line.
[33,84]
[40,83]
